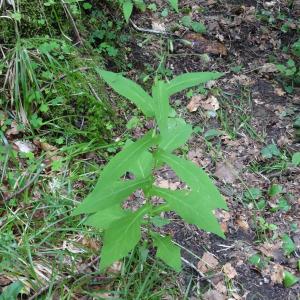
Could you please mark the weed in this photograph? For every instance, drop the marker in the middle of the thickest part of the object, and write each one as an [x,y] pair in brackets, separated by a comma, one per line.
[142,159]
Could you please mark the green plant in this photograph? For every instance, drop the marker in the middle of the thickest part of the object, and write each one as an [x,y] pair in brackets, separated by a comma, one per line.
[127,6]
[122,228]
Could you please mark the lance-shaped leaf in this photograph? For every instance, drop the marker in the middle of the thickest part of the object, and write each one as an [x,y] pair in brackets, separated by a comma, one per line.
[127,9]
[142,167]
[167,251]
[161,105]
[121,237]
[130,90]
[122,162]
[192,207]
[195,178]
[105,196]
[174,4]
[178,133]
[189,80]
[103,218]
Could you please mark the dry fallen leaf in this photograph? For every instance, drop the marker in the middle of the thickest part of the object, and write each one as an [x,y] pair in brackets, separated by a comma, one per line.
[221,287]
[14,130]
[213,295]
[277,274]
[242,223]
[279,91]
[268,68]
[90,243]
[207,262]
[115,268]
[229,270]
[47,147]
[202,45]
[211,104]
[24,146]
[226,172]
[194,103]
[156,25]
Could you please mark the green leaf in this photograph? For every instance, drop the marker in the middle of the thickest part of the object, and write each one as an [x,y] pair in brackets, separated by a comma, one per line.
[289,279]
[127,9]
[122,162]
[161,104]
[104,218]
[142,167]
[121,237]
[188,80]
[270,151]
[288,245]
[105,196]
[12,291]
[178,133]
[296,158]
[174,4]
[186,21]
[194,208]
[275,189]
[195,178]
[159,222]
[130,90]
[257,261]
[211,133]
[253,194]
[198,27]
[167,251]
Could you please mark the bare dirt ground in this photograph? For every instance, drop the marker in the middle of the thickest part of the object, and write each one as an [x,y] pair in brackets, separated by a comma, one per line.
[239,115]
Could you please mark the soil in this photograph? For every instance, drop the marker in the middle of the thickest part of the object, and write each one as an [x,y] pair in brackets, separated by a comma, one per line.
[270,111]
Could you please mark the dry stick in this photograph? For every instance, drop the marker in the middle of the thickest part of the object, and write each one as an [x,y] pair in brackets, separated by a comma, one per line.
[76,31]
[152,31]
[27,185]
[80,272]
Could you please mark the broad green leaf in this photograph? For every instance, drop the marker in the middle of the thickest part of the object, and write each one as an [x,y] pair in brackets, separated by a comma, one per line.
[104,218]
[127,9]
[270,151]
[161,105]
[296,158]
[257,261]
[188,80]
[12,291]
[195,178]
[192,207]
[289,279]
[105,196]
[174,4]
[167,251]
[159,221]
[275,189]
[142,167]
[288,245]
[122,162]
[178,133]
[121,237]
[130,90]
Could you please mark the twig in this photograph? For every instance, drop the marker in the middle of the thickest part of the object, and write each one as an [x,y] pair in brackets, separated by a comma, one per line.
[152,31]
[80,272]
[76,31]
[26,186]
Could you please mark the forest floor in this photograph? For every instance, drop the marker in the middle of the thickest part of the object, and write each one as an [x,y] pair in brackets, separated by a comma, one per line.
[246,130]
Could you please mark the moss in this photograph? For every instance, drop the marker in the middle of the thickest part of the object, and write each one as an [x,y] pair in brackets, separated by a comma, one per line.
[36,20]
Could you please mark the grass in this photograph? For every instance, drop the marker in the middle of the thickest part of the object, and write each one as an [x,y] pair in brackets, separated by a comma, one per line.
[53,95]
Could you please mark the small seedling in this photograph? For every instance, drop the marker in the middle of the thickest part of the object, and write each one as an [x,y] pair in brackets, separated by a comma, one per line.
[288,245]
